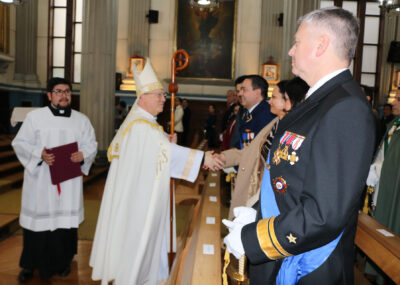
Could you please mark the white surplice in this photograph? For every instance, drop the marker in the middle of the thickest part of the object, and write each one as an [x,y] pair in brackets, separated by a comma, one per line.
[42,208]
[132,234]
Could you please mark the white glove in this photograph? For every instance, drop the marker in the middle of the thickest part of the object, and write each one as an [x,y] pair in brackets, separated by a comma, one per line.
[244,215]
[233,240]
[373,177]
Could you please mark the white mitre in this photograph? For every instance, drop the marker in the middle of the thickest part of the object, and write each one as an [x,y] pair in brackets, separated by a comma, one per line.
[146,81]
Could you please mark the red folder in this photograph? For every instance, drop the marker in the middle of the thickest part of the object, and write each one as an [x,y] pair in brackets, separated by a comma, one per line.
[63,168]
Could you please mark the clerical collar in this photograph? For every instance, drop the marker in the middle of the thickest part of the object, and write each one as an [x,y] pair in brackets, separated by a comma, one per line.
[322,81]
[60,112]
[147,114]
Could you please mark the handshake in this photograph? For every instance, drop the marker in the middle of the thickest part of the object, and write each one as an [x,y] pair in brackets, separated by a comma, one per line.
[213,161]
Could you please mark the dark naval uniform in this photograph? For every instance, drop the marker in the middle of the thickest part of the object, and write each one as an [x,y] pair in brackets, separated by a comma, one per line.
[318,163]
[251,124]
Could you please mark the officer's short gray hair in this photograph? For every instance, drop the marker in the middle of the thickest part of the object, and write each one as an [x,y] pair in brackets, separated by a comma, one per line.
[339,23]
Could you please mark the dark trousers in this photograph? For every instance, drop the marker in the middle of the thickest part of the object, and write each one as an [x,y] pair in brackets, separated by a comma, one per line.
[179,137]
[49,251]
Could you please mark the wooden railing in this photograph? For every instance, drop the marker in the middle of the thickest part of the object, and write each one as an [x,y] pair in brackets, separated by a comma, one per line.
[198,259]
[382,250]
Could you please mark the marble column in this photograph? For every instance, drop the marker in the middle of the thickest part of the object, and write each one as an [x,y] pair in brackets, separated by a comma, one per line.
[292,11]
[26,43]
[97,94]
[138,27]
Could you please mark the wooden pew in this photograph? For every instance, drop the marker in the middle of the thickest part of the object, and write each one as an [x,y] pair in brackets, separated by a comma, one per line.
[383,251]
[191,265]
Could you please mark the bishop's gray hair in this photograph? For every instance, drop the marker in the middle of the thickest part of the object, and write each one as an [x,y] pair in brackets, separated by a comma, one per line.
[341,24]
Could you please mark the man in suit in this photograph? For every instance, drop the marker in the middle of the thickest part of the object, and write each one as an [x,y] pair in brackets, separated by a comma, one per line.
[307,216]
[257,115]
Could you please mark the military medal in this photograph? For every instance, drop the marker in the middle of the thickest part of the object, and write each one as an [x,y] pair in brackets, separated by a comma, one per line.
[279,184]
[285,153]
[277,156]
[288,139]
[247,137]
[293,158]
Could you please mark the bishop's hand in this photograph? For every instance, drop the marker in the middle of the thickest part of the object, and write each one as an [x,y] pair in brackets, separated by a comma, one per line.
[173,138]
[212,161]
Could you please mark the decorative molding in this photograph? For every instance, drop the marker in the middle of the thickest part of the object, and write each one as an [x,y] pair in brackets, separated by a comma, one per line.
[5,60]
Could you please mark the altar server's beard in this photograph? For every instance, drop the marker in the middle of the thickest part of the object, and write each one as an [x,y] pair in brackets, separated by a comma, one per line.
[68,107]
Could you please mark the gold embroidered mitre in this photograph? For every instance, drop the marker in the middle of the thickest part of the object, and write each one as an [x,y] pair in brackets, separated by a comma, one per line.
[146,80]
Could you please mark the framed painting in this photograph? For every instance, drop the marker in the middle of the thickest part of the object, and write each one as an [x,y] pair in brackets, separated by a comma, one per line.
[270,73]
[135,61]
[397,79]
[208,36]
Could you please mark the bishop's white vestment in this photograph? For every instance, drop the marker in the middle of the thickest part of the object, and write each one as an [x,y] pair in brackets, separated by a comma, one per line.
[132,234]
[42,209]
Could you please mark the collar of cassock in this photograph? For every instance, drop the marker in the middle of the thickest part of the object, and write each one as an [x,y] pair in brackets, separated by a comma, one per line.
[60,112]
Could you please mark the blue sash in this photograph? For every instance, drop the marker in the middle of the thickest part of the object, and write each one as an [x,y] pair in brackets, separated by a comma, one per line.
[293,267]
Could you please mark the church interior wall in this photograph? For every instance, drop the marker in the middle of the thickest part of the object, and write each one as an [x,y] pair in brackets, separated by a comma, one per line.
[258,36]
[42,40]
[122,54]
[248,37]
[162,37]
[271,34]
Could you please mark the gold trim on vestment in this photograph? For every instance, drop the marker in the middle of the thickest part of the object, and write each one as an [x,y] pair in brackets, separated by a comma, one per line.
[268,241]
[189,164]
[150,87]
[162,160]
[156,126]
[127,129]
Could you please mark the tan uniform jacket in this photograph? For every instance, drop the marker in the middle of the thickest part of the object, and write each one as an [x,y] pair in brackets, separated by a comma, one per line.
[250,171]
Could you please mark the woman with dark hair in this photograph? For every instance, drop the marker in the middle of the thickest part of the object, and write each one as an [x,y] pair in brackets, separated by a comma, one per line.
[251,160]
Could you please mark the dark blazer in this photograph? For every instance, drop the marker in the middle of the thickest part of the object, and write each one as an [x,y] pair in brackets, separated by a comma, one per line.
[323,188]
[260,117]
[186,119]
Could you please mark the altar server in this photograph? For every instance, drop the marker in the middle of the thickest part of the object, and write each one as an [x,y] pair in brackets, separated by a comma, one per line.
[50,214]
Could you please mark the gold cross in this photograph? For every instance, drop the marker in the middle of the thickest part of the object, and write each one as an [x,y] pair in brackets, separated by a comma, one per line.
[293,158]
